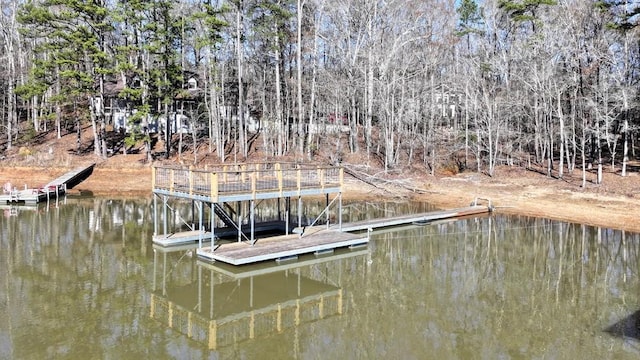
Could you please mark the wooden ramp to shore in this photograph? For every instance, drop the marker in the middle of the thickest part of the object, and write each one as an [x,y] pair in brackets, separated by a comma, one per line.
[373,224]
[73,177]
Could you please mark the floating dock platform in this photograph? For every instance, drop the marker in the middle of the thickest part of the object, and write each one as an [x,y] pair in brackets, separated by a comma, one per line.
[193,236]
[30,196]
[52,190]
[216,188]
[283,247]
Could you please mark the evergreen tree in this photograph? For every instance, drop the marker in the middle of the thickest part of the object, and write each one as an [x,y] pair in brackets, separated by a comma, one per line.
[71,59]
[165,73]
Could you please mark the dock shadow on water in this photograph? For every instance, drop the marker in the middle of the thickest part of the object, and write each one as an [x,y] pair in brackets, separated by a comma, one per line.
[628,327]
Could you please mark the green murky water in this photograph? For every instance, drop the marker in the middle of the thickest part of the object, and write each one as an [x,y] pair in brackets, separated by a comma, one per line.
[82,280]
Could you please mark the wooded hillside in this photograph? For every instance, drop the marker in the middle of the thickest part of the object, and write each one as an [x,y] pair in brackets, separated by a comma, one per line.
[457,84]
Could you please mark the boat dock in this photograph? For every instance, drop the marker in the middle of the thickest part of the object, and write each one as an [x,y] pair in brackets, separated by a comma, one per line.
[214,191]
[49,191]
[73,177]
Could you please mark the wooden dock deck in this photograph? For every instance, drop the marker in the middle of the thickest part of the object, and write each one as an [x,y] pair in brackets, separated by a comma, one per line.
[319,238]
[281,247]
[30,196]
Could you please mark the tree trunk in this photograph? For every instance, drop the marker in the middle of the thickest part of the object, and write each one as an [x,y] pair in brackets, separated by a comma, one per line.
[301,132]
[562,137]
[240,139]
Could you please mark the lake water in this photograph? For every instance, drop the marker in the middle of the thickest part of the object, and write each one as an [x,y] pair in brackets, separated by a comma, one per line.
[81,279]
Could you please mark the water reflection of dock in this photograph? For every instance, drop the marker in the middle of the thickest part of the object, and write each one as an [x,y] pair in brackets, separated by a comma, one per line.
[229,304]
[13,210]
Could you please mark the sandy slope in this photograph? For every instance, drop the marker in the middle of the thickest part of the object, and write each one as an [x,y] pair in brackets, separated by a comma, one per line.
[614,204]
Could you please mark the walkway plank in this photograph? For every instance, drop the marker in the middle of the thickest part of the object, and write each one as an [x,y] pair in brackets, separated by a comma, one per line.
[278,247]
[411,218]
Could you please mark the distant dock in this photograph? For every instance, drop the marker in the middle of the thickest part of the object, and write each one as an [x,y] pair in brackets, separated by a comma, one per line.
[49,191]
[213,192]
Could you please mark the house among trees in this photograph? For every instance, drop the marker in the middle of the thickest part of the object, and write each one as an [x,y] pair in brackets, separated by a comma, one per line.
[448,101]
[184,112]
[120,109]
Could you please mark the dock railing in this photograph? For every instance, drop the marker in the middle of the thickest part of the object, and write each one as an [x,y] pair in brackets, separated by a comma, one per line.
[245,178]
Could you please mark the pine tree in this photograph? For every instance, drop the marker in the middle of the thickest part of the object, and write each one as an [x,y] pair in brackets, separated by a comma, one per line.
[165,76]
[69,38]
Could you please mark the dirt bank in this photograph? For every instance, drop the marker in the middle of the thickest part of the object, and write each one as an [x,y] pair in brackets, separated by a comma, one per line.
[614,204]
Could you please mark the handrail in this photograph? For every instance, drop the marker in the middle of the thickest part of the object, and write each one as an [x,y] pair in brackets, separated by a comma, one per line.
[236,179]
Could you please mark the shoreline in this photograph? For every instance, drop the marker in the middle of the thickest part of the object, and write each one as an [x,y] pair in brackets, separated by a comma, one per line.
[514,193]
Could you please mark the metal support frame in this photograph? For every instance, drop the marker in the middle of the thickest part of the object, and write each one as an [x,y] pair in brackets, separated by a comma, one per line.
[252,219]
[192,185]
[299,211]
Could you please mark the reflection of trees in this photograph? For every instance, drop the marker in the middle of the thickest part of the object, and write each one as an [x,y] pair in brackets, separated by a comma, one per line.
[75,283]
[520,286]
[69,289]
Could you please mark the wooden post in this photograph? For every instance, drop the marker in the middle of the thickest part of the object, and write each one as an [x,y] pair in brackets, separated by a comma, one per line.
[280,181]
[253,185]
[214,186]
[171,177]
[153,178]
[155,214]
